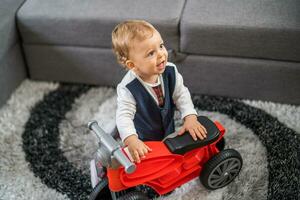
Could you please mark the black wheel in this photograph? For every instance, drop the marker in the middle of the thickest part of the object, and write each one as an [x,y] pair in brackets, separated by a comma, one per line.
[221,144]
[151,193]
[220,170]
[134,195]
[101,191]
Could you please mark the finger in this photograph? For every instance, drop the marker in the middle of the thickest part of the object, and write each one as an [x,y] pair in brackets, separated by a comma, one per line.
[141,153]
[181,131]
[193,134]
[145,151]
[202,132]
[148,148]
[205,131]
[136,157]
[199,133]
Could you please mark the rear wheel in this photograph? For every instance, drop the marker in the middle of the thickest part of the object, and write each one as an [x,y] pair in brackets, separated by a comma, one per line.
[222,169]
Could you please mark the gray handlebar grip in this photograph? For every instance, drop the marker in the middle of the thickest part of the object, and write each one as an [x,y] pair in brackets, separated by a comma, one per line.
[112,146]
[123,160]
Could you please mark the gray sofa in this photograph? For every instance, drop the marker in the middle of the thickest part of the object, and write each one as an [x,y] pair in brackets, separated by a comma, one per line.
[12,68]
[247,49]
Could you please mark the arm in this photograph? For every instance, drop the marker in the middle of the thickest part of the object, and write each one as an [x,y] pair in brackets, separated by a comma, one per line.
[182,97]
[183,101]
[126,108]
[124,119]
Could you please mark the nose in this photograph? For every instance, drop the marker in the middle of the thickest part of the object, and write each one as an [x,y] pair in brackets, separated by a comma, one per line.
[160,53]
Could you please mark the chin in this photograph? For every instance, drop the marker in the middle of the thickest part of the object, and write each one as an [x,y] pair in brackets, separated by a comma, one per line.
[160,71]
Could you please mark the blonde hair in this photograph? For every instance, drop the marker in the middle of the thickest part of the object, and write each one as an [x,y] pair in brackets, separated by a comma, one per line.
[123,35]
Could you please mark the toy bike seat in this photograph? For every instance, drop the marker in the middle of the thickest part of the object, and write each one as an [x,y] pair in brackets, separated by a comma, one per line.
[184,143]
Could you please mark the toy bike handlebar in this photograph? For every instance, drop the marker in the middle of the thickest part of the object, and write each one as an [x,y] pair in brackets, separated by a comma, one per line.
[112,146]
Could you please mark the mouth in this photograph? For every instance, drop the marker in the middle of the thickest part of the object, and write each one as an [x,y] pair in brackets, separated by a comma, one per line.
[161,65]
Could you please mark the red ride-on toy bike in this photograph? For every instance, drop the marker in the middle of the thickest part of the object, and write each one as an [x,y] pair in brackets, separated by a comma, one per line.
[171,163]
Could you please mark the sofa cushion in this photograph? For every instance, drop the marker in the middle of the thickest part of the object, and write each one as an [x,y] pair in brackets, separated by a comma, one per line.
[90,23]
[243,28]
[261,79]
[73,64]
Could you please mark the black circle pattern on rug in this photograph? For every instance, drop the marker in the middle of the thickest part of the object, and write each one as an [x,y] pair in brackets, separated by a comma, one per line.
[41,143]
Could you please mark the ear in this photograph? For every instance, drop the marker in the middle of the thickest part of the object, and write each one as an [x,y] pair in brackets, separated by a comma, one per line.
[129,64]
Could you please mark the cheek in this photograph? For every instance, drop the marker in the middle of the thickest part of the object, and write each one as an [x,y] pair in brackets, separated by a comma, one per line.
[166,53]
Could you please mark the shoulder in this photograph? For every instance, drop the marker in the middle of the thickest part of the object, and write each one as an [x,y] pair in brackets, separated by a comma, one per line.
[122,89]
[170,64]
[171,67]
[128,78]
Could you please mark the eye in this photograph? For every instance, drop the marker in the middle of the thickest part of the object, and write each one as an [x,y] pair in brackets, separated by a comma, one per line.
[151,53]
[162,45]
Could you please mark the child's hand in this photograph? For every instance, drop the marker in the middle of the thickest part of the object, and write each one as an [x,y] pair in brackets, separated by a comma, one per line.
[137,148]
[193,126]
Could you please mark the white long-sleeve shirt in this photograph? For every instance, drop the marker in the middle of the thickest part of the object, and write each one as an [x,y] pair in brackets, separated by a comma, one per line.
[126,104]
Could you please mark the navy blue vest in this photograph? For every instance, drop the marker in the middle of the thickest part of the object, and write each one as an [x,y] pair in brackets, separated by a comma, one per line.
[152,122]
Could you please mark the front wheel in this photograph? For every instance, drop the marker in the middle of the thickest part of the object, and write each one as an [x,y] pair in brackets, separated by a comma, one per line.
[100,191]
[134,195]
[222,169]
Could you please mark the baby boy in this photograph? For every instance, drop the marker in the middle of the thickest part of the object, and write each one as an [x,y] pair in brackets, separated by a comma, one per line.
[150,91]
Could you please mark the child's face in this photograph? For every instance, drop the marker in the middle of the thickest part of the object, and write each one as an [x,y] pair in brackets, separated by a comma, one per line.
[148,58]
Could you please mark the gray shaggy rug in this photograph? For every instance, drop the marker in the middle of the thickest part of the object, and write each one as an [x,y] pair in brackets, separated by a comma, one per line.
[45,146]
